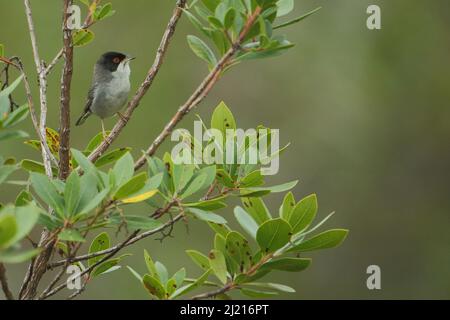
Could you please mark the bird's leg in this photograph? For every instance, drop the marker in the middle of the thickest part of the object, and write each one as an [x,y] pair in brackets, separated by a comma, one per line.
[121,116]
[103,130]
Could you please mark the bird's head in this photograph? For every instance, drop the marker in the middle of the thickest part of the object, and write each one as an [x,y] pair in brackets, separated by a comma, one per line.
[114,61]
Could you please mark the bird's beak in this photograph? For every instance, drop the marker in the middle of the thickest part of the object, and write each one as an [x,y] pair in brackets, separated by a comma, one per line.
[128,59]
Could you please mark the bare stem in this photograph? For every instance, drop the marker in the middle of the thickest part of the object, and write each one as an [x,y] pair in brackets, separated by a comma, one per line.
[40,68]
[4,283]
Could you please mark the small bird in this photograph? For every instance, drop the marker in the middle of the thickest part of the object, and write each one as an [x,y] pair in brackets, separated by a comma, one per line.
[110,87]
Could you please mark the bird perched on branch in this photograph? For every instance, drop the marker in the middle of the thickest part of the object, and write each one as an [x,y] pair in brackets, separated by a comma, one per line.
[110,87]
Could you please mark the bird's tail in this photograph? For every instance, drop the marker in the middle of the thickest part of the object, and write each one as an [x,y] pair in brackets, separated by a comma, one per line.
[83,118]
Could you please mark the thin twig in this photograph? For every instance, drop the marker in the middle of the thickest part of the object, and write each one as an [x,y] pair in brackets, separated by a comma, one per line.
[66,81]
[146,84]
[214,293]
[55,280]
[40,68]
[4,283]
[201,92]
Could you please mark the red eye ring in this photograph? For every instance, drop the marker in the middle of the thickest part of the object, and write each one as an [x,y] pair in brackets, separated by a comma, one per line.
[116,60]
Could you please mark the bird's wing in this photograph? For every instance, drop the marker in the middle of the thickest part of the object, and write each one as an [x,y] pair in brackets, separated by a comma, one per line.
[90,99]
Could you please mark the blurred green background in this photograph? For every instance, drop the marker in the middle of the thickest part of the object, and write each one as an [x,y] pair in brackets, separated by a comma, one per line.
[367,113]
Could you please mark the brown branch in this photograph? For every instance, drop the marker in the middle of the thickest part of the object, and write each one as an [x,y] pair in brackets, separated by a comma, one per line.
[201,92]
[144,87]
[66,81]
[4,283]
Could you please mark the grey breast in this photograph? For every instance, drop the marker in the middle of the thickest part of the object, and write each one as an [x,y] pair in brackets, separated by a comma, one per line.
[111,92]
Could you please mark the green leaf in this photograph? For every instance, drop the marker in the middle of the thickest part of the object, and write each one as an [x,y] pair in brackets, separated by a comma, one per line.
[2,50]
[221,229]
[287,264]
[287,206]
[187,288]
[211,4]
[218,265]
[23,199]
[135,222]
[83,161]
[124,169]
[284,7]
[182,173]
[246,221]
[202,50]
[13,256]
[274,189]
[95,202]
[238,250]
[105,12]
[101,242]
[208,205]
[7,91]
[82,37]
[195,22]
[253,179]
[328,239]
[106,267]
[302,17]
[194,186]
[207,216]
[17,134]
[88,188]
[26,218]
[95,142]
[303,214]
[111,157]
[224,178]
[135,273]
[179,277]
[200,259]
[273,235]
[162,272]
[257,293]
[275,286]
[257,209]
[32,166]
[216,23]
[229,18]
[222,119]
[6,171]
[16,116]
[47,191]
[133,186]
[154,286]
[71,235]
[50,222]
[210,172]
[150,265]
[8,228]
[72,193]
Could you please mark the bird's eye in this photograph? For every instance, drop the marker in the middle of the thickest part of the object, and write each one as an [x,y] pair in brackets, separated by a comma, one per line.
[116,60]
